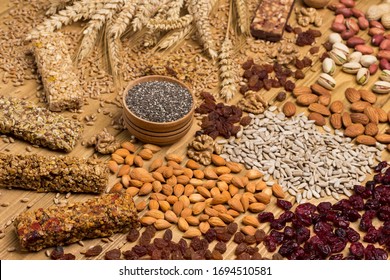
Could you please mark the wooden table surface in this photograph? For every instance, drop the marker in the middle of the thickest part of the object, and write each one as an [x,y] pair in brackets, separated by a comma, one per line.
[37,200]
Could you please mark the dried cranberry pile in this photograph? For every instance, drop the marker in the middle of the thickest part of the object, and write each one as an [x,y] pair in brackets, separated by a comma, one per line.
[220,119]
[331,224]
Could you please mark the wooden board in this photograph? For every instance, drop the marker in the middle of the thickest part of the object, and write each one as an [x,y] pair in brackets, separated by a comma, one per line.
[37,200]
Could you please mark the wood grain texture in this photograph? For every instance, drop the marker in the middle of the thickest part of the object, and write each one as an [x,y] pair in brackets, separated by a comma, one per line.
[37,200]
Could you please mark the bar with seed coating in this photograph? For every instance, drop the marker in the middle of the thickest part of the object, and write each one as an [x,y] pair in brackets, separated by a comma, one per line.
[53,173]
[60,82]
[270,19]
[37,125]
[62,225]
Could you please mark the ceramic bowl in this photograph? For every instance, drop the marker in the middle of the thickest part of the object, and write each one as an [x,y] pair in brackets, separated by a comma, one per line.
[162,133]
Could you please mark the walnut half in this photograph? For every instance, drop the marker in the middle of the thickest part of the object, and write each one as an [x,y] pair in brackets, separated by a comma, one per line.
[201,149]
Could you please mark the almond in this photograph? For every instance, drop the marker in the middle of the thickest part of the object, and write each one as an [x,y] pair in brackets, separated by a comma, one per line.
[346,119]
[337,107]
[133,191]
[171,199]
[277,191]
[359,106]
[235,204]
[352,95]
[161,224]
[192,164]
[182,180]
[129,146]
[317,118]
[146,154]
[167,189]
[157,214]
[186,212]
[234,166]
[227,218]
[319,108]
[383,138]
[129,160]
[117,188]
[141,206]
[299,90]
[157,186]
[122,152]
[263,197]
[325,100]
[172,181]
[233,213]
[354,130]
[257,207]
[220,170]
[203,191]
[178,207]
[226,178]
[382,116]
[158,176]
[157,163]
[209,173]
[216,222]
[145,189]
[253,174]
[368,96]
[173,157]
[152,147]
[248,230]
[233,190]
[117,158]
[164,205]
[360,118]
[135,183]
[372,114]
[124,170]
[113,166]
[153,204]
[147,221]
[261,185]
[306,99]
[319,90]
[185,200]
[289,109]
[204,227]
[198,174]
[125,180]
[251,221]
[191,233]
[141,174]
[218,160]
[138,161]
[371,129]
[236,181]
[196,197]
[171,217]
[198,208]
[188,172]
[158,196]
[366,140]
[192,220]
[335,121]
[211,212]
[244,202]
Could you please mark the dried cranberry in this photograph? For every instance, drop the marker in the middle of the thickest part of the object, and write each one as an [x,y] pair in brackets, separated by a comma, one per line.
[303,234]
[323,228]
[380,166]
[336,257]
[341,222]
[372,235]
[304,213]
[277,224]
[324,207]
[337,244]
[284,204]
[384,213]
[341,205]
[288,248]
[352,235]
[371,204]
[270,243]
[277,236]
[289,233]
[340,232]
[372,253]
[357,249]
[266,217]
[352,215]
[366,220]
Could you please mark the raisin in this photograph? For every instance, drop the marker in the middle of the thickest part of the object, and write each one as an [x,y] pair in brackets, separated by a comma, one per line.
[299,75]
[57,253]
[289,86]
[220,247]
[245,120]
[239,237]
[94,251]
[133,235]
[247,64]
[314,50]
[68,256]
[168,235]
[114,254]
[281,96]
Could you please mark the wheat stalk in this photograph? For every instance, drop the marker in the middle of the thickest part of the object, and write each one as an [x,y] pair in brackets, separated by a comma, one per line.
[200,9]
[79,10]
[122,21]
[96,23]
[243,16]
[174,37]
[56,5]
[227,66]
[169,24]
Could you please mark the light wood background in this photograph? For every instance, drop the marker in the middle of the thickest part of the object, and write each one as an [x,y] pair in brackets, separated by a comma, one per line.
[37,200]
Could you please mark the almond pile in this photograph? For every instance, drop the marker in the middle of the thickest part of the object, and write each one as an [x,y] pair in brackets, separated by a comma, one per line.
[192,197]
[359,120]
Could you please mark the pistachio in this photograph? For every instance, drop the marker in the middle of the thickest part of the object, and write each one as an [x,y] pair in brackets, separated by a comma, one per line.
[381,87]
[341,47]
[338,56]
[367,59]
[328,66]
[334,38]
[355,57]
[326,81]
[362,76]
[351,67]
[385,75]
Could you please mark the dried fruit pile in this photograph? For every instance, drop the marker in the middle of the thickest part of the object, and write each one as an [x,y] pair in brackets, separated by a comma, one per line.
[324,231]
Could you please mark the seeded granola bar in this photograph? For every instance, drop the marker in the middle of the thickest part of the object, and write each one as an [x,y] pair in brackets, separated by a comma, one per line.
[38,125]
[53,173]
[60,82]
[61,225]
[270,19]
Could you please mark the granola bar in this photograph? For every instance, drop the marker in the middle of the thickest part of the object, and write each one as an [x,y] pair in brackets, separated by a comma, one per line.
[61,225]
[60,82]
[270,19]
[38,125]
[53,173]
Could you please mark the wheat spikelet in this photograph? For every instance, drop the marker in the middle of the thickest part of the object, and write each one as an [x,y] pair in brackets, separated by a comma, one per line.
[227,68]
[173,37]
[169,24]
[150,38]
[175,8]
[243,16]
[79,10]
[200,9]
[95,25]
[56,5]
[122,21]
[145,11]
[114,57]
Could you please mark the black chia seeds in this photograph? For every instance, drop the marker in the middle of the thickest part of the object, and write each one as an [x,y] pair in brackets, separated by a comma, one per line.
[159,101]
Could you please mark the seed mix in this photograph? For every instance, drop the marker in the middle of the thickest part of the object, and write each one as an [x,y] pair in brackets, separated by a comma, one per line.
[305,162]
